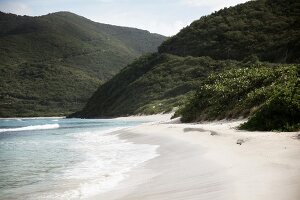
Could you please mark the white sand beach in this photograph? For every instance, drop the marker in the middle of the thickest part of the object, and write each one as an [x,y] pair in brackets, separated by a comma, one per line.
[204,161]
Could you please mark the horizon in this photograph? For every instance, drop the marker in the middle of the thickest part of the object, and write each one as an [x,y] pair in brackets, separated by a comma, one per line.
[165,17]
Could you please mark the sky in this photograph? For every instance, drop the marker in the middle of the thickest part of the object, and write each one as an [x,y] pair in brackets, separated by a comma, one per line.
[166,17]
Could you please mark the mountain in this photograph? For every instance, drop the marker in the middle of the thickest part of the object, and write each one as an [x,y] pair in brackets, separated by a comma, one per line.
[267,29]
[51,64]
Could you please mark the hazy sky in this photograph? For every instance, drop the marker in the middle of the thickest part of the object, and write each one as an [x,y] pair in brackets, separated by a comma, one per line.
[166,17]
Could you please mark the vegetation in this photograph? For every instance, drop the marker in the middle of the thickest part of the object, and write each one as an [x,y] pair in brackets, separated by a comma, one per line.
[44,90]
[152,84]
[270,95]
[268,29]
[50,65]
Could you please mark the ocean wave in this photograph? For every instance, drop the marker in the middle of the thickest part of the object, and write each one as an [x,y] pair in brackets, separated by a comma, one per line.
[107,159]
[30,128]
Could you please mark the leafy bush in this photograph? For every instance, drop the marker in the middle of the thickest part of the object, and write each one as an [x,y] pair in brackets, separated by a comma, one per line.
[268,94]
[280,112]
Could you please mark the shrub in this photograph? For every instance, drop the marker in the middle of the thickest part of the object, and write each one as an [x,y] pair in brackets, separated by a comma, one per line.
[268,95]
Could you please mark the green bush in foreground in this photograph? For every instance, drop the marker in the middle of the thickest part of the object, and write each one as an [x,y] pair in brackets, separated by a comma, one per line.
[281,112]
[268,95]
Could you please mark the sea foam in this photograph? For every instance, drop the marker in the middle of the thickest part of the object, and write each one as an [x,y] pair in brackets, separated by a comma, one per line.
[107,161]
[29,128]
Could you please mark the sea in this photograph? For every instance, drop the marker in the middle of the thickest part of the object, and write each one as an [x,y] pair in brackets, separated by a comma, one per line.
[64,159]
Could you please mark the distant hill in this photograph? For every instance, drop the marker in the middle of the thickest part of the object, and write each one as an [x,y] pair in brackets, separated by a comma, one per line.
[257,38]
[50,65]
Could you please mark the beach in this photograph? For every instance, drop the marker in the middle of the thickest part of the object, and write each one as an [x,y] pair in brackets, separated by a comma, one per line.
[211,160]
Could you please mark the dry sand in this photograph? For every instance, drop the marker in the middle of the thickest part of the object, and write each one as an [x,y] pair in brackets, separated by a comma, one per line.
[204,161]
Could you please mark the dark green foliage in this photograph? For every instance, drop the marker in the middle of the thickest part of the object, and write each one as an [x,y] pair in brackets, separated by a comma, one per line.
[44,90]
[269,29]
[268,94]
[281,111]
[51,65]
[152,84]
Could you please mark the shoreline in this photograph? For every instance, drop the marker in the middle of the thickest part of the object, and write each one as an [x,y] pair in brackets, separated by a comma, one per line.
[210,161]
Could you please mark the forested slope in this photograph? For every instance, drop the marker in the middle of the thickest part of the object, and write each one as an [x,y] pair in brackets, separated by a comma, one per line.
[50,65]
[268,29]
[152,84]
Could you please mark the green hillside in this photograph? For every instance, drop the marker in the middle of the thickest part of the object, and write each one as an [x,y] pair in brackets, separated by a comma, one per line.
[152,84]
[50,65]
[268,29]
[229,64]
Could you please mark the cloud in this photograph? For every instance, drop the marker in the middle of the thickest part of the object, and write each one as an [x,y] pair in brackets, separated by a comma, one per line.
[15,7]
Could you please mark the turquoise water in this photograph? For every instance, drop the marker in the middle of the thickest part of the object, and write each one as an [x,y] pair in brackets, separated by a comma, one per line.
[56,158]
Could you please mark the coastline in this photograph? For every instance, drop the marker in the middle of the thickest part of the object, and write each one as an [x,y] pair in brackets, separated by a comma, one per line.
[204,161]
